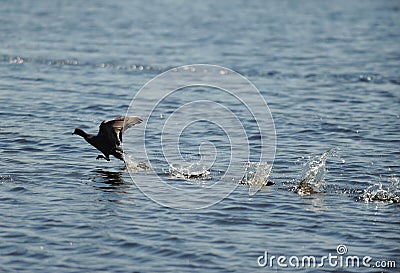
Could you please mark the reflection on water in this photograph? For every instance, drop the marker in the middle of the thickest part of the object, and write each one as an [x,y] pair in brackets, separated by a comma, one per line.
[108,179]
[111,184]
[315,203]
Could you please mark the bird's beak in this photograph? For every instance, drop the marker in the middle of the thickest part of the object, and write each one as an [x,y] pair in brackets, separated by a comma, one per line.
[73,133]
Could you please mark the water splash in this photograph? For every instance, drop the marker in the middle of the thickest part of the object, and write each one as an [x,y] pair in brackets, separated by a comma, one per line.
[313,174]
[132,166]
[256,174]
[5,178]
[193,170]
[377,193]
[76,62]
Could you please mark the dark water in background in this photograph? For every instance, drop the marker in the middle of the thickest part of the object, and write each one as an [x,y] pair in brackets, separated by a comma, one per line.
[329,71]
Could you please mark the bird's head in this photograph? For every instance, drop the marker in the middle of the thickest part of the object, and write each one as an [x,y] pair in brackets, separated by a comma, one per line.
[79,132]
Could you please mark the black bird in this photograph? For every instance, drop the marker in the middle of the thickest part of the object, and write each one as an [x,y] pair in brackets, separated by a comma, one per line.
[109,138]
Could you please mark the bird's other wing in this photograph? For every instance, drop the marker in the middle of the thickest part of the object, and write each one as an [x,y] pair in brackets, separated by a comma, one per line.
[121,124]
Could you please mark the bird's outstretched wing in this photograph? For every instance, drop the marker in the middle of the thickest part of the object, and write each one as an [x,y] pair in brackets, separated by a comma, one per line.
[116,127]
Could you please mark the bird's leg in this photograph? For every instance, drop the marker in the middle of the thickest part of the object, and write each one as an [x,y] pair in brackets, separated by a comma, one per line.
[101,156]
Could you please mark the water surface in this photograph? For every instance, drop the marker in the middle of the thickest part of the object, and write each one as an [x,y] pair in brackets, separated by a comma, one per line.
[328,70]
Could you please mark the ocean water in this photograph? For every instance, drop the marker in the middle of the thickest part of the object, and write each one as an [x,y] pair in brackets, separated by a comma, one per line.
[329,72]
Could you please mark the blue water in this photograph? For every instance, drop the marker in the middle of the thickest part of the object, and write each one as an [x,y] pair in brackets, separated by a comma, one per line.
[329,71]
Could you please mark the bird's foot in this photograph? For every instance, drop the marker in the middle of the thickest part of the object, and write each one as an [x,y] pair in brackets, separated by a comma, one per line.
[101,156]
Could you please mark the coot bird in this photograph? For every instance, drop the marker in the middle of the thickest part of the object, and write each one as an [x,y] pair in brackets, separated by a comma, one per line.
[109,138]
